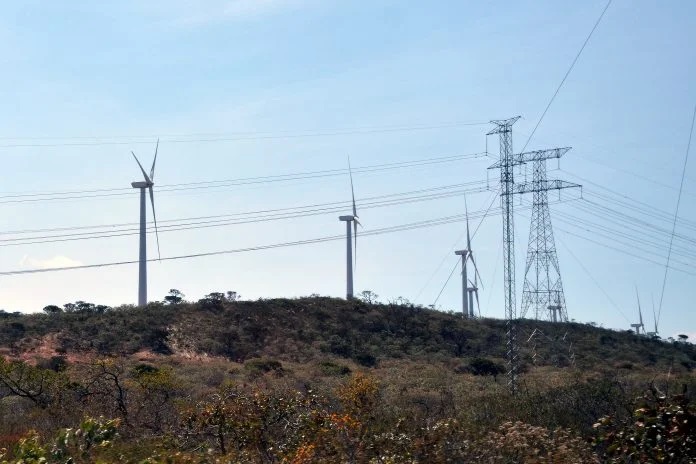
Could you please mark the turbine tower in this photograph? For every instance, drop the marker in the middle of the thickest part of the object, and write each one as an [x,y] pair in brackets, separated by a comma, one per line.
[147,184]
[468,292]
[351,238]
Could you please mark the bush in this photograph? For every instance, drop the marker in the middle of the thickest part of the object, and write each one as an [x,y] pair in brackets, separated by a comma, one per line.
[662,429]
[365,359]
[260,366]
[55,363]
[333,369]
[484,366]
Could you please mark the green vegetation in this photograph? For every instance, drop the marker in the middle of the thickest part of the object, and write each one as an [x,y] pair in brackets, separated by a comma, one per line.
[324,380]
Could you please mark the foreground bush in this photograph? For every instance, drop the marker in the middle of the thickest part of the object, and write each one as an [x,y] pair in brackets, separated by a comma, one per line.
[662,429]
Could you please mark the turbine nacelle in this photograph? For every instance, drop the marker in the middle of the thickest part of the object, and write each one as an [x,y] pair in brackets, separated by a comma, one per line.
[347,218]
[141,184]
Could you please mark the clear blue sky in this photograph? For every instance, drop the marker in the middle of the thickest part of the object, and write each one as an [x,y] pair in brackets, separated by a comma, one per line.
[170,69]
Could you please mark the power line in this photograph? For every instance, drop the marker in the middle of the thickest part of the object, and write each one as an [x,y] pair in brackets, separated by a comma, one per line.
[641,257]
[634,174]
[613,235]
[676,215]
[248,213]
[374,232]
[229,222]
[572,65]
[643,208]
[121,191]
[623,220]
[225,137]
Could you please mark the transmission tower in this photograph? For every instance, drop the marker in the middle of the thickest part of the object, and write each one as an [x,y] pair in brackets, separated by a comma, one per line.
[543,287]
[508,188]
[504,130]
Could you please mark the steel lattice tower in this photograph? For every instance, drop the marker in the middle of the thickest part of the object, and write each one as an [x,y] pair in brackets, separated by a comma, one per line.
[504,130]
[543,286]
[508,188]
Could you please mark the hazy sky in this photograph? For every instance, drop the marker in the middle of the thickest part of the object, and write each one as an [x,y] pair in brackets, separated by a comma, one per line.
[84,82]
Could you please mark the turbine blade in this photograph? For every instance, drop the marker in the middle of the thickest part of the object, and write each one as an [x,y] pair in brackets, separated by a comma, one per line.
[468,237]
[141,168]
[355,243]
[352,190]
[654,317]
[476,271]
[478,305]
[152,170]
[154,218]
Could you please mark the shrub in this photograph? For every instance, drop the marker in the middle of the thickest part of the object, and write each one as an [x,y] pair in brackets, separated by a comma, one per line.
[662,429]
[331,368]
[484,366]
[260,366]
[55,363]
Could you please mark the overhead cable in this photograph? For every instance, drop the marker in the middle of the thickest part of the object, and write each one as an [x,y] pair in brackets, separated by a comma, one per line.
[676,215]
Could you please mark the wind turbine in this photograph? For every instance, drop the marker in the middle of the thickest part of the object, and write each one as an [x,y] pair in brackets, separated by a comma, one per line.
[145,185]
[640,325]
[351,243]
[468,293]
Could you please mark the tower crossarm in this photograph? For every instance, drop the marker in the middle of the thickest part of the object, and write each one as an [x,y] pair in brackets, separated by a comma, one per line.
[502,125]
[542,186]
[536,155]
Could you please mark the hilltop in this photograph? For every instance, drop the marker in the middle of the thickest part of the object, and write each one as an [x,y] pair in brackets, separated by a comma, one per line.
[318,379]
[305,329]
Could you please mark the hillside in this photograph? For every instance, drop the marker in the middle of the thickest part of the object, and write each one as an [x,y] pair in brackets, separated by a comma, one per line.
[225,375]
[305,329]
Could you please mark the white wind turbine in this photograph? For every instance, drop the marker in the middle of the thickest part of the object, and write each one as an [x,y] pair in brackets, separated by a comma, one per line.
[145,185]
[468,292]
[351,243]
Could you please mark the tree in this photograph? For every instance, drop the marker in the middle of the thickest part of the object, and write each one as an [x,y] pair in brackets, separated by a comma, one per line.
[52,309]
[400,301]
[38,385]
[215,296]
[84,307]
[368,296]
[175,297]
[683,338]
[214,301]
[69,307]
[232,296]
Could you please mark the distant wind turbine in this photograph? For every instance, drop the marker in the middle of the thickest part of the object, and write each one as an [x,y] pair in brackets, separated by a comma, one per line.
[639,325]
[146,185]
[351,244]
[468,293]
